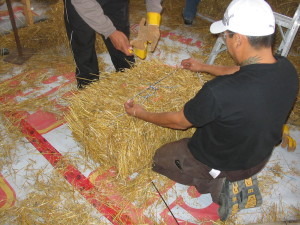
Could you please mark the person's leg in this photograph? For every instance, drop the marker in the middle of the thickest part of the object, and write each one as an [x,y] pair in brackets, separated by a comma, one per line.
[117,11]
[212,186]
[82,41]
[175,161]
[168,161]
[190,10]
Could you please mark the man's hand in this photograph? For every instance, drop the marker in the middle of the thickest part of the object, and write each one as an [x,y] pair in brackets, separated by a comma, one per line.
[133,109]
[121,42]
[192,64]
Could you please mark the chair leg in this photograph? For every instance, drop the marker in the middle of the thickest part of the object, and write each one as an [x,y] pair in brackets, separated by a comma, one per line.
[27,12]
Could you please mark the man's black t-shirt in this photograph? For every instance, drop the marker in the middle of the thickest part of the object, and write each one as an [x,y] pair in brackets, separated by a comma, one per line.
[239,117]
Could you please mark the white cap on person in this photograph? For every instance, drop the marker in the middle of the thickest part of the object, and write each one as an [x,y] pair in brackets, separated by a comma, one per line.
[247,17]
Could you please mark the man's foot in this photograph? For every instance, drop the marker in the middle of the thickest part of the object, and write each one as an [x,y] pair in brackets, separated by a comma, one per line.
[81,86]
[82,83]
[239,195]
[188,22]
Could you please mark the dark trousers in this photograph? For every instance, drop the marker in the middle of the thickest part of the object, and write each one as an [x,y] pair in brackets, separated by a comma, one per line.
[175,161]
[82,39]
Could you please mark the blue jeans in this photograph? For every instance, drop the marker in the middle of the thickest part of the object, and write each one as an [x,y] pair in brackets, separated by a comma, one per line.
[190,9]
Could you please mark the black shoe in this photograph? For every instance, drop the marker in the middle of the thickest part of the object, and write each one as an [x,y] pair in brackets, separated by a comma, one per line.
[188,22]
[239,195]
[81,86]
[82,83]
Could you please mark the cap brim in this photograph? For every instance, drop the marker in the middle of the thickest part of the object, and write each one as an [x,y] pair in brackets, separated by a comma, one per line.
[217,27]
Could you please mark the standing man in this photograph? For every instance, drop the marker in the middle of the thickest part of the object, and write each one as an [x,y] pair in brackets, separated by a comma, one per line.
[239,115]
[83,18]
[189,11]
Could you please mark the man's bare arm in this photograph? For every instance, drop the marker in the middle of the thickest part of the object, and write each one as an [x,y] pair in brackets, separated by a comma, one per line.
[216,70]
[173,120]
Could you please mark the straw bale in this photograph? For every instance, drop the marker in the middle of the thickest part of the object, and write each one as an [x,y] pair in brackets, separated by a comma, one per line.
[114,139]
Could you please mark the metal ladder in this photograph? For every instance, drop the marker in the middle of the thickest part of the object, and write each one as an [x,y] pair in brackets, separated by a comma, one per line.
[290,24]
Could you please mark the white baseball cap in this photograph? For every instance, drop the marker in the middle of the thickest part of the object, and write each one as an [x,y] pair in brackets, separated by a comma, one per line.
[247,17]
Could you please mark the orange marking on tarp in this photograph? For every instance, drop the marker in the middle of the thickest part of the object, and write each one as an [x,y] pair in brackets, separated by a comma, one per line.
[43,122]
[16,115]
[7,194]
[50,80]
[70,76]
[164,33]
[74,177]
[16,9]
[192,191]
[62,108]
[205,215]
[95,176]
[175,37]
[186,41]
[14,83]
[53,79]
[99,180]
